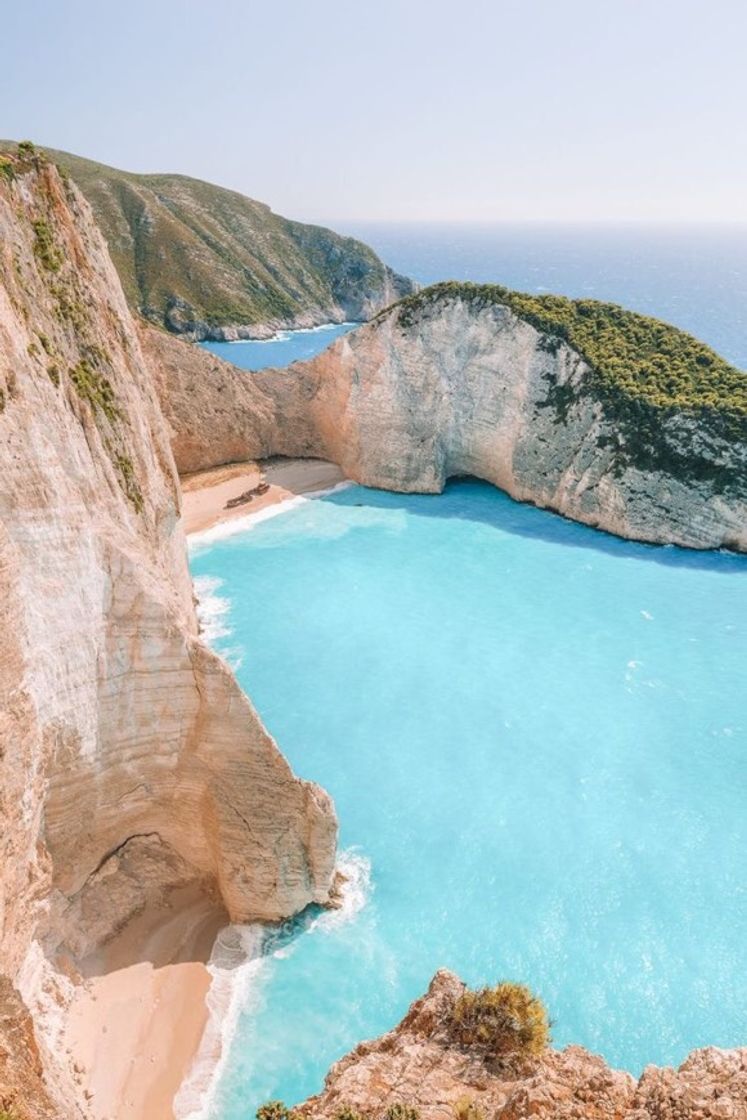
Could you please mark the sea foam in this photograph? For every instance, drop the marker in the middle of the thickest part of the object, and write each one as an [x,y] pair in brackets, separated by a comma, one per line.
[239,964]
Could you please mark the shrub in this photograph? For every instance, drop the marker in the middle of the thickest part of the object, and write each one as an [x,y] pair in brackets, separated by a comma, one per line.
[503,1022]
[93,387]
[45,250]
[273,1110]
[348,1113]
[26,149]
[468,1109]
[135,495]
[7,172]
[401,1112]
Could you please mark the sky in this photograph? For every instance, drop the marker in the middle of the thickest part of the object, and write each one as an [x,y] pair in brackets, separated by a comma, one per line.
[539,110]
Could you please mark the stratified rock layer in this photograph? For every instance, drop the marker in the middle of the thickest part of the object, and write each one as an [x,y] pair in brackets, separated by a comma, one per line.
[470,388]
[417,1065]
[130,761]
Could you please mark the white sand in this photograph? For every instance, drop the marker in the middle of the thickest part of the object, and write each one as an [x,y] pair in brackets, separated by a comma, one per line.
[137,1020]
[205,493]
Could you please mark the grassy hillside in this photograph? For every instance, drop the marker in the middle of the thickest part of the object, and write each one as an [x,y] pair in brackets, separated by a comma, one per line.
[196,257]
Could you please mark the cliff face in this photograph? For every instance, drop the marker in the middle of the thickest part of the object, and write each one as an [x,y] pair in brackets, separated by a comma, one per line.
[417,1066]
[210,263]
[130,761]
[460,386]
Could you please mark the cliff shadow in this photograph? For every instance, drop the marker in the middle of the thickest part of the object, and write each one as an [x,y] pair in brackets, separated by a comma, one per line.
[472,499]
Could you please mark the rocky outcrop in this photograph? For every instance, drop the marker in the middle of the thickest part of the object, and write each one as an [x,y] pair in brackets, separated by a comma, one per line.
[417,1065]
[207,262]
[23,1093]
[464,385]
[130,761]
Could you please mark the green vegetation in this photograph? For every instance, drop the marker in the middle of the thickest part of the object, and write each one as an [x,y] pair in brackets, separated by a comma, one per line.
[642,372]
[468,1109]
[7,172]
[274,1110]
[348,1113]
[631,354]
[191,252]
[401,1112]
[54,374]
[93,387]
[502,1023]
[45,249]
[134,494]
[26,149]
[68,308]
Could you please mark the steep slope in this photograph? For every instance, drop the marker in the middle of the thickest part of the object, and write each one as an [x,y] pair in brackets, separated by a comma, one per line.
[612,419]
[211,263]
[130,761]
[418,1066]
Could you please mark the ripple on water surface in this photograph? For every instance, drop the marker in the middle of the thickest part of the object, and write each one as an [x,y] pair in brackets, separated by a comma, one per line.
[535,734]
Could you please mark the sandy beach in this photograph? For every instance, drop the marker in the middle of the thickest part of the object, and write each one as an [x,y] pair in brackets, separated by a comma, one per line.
[205,493]
[137,1019]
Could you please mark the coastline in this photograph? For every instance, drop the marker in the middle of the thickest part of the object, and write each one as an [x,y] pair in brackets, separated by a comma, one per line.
[148,1008]
[136,1020]
[205,493]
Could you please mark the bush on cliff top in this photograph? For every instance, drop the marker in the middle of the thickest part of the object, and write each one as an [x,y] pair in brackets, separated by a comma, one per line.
[501,1023]
[274,1110]
[632,354]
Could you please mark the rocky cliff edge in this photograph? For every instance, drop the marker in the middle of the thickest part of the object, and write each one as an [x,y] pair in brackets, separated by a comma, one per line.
[130,761]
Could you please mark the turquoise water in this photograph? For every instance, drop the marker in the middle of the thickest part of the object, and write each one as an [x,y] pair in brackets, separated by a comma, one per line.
[535,737]
[284,348]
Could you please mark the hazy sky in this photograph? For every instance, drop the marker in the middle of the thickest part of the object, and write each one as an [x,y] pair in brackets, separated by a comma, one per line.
[541,109]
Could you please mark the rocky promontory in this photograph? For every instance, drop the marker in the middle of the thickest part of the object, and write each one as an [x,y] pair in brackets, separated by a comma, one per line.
[607,417]
[418,1072]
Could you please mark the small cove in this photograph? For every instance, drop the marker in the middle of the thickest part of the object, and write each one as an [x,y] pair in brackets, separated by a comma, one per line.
[280,350]
[534,734]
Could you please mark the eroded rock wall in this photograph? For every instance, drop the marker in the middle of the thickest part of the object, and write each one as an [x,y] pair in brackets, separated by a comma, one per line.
[479,391]
[464,390]
[130,760]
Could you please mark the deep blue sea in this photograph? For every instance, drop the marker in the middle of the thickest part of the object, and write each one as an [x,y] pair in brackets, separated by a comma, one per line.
[535,735]
[694,277]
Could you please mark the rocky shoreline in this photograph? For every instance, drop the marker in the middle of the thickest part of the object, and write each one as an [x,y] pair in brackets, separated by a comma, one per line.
[418,1067]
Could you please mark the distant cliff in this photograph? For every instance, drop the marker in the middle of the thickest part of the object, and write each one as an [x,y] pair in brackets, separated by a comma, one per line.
[210,263]
[130,761]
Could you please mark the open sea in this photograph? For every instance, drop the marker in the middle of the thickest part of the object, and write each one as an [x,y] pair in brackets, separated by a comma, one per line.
[535,734]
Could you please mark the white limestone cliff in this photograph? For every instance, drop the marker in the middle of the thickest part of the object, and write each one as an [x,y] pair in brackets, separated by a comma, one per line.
[406,402]
[130,760]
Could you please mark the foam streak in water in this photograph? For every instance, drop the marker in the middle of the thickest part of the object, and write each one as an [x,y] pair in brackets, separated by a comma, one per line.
[212,608]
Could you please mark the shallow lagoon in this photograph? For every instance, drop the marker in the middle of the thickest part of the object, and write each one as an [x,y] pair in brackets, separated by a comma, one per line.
[535,737]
